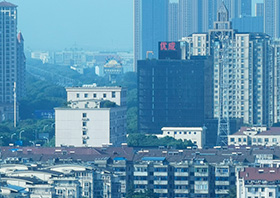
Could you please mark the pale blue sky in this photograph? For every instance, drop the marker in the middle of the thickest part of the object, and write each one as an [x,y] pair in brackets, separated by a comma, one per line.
[91,24]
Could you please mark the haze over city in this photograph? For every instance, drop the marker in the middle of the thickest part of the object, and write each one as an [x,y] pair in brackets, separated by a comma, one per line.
[140,98]
[90,24]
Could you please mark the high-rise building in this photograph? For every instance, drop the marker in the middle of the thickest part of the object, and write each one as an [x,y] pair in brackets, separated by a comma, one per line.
[199,15]
[173,20]
[272,18]
[248,24]
[171,93]
[193,16]
[242,63]
[150,27]
[12,60]
[259,9]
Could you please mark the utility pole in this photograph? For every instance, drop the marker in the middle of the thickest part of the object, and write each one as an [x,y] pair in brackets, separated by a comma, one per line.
[15,105]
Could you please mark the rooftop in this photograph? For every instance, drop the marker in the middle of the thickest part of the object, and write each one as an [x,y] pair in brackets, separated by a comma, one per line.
[265,174]
[6,4]
[269,131]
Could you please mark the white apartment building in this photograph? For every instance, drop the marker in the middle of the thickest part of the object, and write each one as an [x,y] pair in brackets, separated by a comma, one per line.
[255,136]
[87,92]
[88,121]
[242,66]
[194,134]
[258,182]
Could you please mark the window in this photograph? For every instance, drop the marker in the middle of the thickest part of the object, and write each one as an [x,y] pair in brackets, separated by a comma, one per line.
[84,123]
[84,115]
[78,95]
[84,132]
[85,95]
[94,95]
[232,139]
[84,141]
[104,95]
[270,194]
[113,94]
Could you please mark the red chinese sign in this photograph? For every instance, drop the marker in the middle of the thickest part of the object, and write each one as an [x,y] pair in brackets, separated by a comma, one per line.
[164,46]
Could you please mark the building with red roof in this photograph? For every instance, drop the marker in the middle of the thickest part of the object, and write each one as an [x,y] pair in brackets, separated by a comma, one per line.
[255,136]
[258,182]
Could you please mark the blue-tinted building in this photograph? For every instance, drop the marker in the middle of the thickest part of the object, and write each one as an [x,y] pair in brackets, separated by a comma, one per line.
[171,93]
[150,27]
[248,24]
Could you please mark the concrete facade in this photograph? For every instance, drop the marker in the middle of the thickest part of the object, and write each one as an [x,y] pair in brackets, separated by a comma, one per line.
[88,121]
[195,134]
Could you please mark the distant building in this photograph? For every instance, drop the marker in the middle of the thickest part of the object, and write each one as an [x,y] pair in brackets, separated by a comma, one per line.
[12,61]
[173,21]
[255,136]
[112,68]
[150,27]
[258,182]
[259,9]
[194,134]
[96,116]
[272,18]
[248,24]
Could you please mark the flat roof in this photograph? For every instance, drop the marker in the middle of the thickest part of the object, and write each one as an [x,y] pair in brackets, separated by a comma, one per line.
[181,128]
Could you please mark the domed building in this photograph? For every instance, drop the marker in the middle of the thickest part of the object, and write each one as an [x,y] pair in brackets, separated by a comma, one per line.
[112,68]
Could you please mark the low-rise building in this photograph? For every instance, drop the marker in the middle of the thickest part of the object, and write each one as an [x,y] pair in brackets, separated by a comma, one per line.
[258,182]
[194,134]
[255,136]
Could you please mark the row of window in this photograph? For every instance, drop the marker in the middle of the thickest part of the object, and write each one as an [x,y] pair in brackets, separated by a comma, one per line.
[181,132]
[86,95]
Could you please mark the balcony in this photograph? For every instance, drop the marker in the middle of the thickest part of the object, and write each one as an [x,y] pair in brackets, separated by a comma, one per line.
[181,191]
[221,191]
[181,174]
[160,173]
[160,182]
[142,182]
[222,183]
[201,174]
[181,182]
[160,191]
[140,174]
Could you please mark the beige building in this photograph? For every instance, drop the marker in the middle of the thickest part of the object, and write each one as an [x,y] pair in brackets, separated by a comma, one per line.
[258,182]
[255,136]
[96,116]
[194,134]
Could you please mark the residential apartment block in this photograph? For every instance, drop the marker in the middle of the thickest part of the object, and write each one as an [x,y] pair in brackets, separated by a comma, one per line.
[258,182]
[115,171]
[12,61]
[255,136]
[242,66]
[95,116]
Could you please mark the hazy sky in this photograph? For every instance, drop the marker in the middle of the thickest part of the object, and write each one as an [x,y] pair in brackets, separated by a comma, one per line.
[91,24]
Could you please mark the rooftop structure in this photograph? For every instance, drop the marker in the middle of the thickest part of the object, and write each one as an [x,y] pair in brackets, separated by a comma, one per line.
[261,136]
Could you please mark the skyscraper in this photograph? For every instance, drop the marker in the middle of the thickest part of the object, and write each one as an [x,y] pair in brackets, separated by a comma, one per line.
[12,60]
[259,9]
[150,27]
[272,18]
[173,20]
[243,64]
